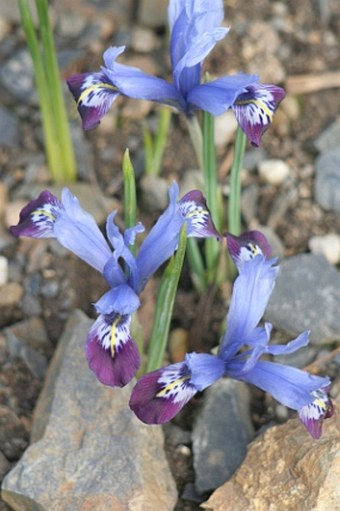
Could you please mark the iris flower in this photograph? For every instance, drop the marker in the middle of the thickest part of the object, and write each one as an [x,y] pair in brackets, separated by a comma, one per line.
[194,31]
[161,394]
[111,351]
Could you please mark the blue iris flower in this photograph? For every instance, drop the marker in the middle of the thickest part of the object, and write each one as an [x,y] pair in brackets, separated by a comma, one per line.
[194,31]
[161,394]
[111,351]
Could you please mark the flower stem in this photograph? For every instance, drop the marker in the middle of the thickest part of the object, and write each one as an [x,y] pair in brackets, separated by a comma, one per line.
[154,147]
[212,248]
[164,305]
[57,103]
[53,152]
[234,209]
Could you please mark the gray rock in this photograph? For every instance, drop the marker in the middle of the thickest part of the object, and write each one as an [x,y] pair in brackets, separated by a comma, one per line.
[221,434]
[32,333]
[90,451]
[307,297]
[327,181]
[154,193]
[9,128]
[153,13]
[16,76]
[10,10]
[329,138]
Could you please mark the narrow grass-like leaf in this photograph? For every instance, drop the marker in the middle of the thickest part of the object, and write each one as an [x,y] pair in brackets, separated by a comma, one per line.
[53,152]
[57,104]
[164,305]
[212,247]
[130,201]
[234,207]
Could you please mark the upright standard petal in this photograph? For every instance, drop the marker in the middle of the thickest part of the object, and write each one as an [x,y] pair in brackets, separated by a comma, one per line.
[158,396]
[38,218]
[94,94]
[110,350]
[248,245]
[194,32]
[255,107]
[313,414]
[251,293]
[162,240]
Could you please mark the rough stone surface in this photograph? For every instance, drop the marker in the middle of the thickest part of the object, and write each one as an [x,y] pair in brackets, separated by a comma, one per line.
[327,245]
[221,434]
[90,451]
[286,470]
[329,138]
[327,181]
[9,128]
[307,297]
[274,172]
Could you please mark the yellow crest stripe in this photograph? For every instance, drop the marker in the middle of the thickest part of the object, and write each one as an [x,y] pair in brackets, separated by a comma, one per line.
[258,103]
[92,88]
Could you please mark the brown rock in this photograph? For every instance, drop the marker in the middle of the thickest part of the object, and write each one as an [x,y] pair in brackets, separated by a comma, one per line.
[285,469]
[10,300]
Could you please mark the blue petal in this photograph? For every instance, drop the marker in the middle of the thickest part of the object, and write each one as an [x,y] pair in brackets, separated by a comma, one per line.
[132,82]
[205,369]
[122,300]
[162,240]
[77,231]
[121,251]
[251,293]
[290,386]
[219,95]
[194,32]
[283,349]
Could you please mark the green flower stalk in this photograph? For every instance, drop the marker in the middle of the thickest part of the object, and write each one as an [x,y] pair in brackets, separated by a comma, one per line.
[58,143]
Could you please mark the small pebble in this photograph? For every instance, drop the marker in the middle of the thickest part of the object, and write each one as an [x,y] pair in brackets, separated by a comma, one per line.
[274,172]
[3,270]
[225,128]
[328,246]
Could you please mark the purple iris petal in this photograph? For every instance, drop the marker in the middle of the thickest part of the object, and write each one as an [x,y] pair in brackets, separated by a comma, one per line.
[110,350]
[290,386]
[38,218]
[94,94]
[74,228]
[158,396]
[255,107]
[313,414]
[194,209]
[246,246]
